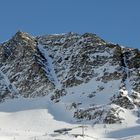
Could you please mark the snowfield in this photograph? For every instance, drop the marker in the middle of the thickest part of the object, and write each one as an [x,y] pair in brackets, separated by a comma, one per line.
[38,118]
[68,87]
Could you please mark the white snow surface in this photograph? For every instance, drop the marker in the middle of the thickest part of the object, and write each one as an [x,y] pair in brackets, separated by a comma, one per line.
[49,66]
[38,118]
[5,81]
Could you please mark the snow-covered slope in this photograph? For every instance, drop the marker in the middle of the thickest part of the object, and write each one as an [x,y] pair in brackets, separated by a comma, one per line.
[38,118]
[81,79]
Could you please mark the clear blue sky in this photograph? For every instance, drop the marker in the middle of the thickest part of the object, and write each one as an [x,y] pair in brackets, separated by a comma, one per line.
[116,21]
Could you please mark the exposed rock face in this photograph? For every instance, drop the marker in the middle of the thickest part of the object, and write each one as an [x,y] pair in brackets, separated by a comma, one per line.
[83,72]
[19,63]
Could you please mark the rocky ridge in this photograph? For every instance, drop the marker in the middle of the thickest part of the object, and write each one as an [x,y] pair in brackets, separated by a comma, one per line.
[97,81]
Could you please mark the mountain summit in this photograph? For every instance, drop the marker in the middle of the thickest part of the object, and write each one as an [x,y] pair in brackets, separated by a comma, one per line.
[96,81]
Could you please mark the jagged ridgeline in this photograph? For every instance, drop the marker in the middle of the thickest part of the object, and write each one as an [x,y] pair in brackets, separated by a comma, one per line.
[96,80]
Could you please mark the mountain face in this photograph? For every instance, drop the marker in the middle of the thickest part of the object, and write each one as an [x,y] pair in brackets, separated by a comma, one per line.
[96,81]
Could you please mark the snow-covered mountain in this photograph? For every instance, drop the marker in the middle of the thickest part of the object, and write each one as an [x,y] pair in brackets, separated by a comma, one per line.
[93,81]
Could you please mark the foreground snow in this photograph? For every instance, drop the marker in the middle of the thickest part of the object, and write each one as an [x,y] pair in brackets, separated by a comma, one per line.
[36,119]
